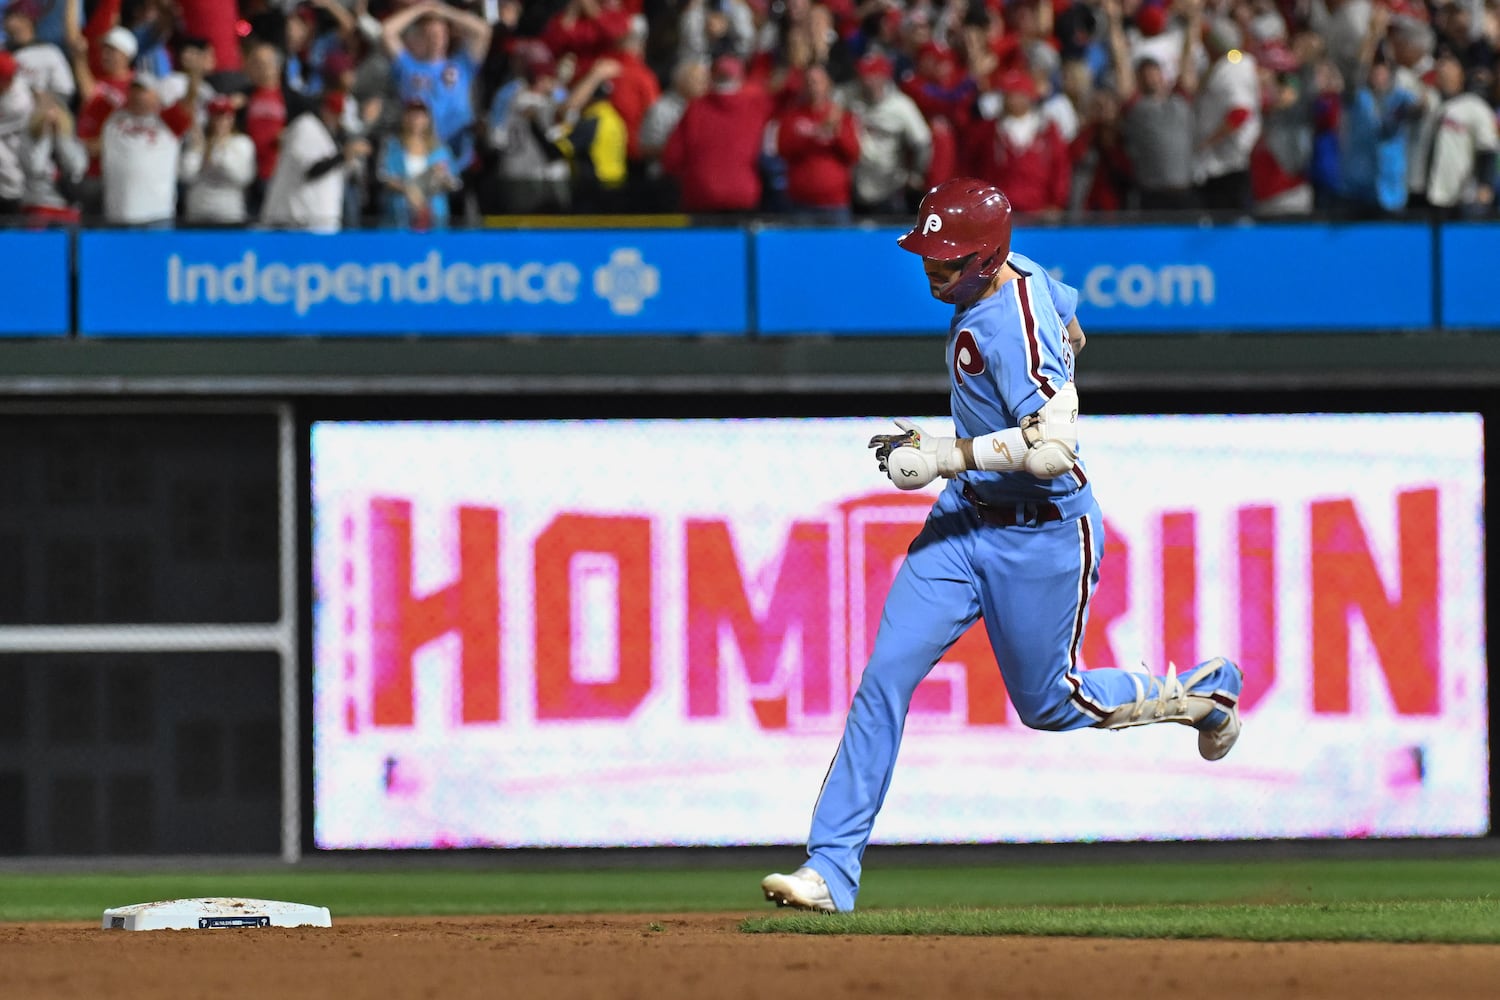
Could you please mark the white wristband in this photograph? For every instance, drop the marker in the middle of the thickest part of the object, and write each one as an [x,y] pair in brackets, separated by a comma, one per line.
[1002,451]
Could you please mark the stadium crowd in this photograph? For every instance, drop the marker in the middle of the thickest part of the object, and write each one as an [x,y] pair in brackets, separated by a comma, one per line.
[325,114]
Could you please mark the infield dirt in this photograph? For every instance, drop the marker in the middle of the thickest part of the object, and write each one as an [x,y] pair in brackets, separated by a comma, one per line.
[665,957]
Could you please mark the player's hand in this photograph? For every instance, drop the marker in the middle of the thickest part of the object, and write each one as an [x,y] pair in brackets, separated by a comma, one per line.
[884,444]
[915,458]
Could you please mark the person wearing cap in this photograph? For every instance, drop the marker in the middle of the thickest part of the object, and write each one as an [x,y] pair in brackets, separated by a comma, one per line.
[895,141]
[307,190]
[1226,121]
[218,165]
[714,152]
[531,175]
[1020,152]
[105,66]
[416,173]
[140,147]
[1156,117]
[42,64]
[103,79]
[362,116]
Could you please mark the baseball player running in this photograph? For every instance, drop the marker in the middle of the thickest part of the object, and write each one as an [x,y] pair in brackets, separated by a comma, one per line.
[1015,538]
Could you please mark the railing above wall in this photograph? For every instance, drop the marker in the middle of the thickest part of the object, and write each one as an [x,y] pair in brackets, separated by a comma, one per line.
[756,281]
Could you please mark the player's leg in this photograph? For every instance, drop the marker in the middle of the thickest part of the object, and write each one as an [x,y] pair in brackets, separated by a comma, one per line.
[1035,584]
[930,604]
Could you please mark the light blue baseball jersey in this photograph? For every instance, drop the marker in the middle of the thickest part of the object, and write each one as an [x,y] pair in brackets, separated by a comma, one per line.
[1008,354]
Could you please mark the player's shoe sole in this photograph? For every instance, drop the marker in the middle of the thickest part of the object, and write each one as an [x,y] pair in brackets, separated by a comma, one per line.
[1215,742]
[804,889]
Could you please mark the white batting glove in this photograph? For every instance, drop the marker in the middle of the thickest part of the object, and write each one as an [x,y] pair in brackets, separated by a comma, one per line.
[915,458]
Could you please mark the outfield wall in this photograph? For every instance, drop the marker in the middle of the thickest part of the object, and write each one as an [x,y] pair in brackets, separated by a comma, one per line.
[274,627]
[758,281]
[614,658]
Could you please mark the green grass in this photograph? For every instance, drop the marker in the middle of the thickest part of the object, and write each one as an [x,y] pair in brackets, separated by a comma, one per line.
[1453,921]
[1449,900]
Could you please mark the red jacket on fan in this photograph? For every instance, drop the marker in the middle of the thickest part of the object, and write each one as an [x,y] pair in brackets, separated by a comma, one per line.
[714,152]
[586,38]
[940,88]
[1102,150]
[820,151]
[214,20]
[635,90]
[1035,177]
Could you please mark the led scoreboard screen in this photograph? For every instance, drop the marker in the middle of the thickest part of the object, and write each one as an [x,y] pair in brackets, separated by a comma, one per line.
[622,632]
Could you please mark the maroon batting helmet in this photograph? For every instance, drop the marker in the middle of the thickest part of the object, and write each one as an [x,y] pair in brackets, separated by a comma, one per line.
[963,219]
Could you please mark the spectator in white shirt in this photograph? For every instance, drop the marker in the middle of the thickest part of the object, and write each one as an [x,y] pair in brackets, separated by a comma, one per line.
[16,101]
[307,189]
[1226,121]
[194,56]
[1461,134]
[16,107]
[218,164]
[1156,35]
[895,142]
[139,150]
[54,162]
[43,65]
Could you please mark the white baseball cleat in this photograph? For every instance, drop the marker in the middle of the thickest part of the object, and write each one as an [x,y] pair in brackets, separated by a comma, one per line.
[803,889]
[1207,698]
[1220,680]
[1215,743]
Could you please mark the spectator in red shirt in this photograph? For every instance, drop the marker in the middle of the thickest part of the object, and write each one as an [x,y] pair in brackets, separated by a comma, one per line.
[586,30]
[818,141]
[216,21]
[111,53]
[265,108]
[940,87]
[1021,152]
[633,87]
[107,74]
[1101,165]
[109,49]
[714,152]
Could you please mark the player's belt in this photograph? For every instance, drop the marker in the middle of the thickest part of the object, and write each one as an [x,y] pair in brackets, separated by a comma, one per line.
[1013,515]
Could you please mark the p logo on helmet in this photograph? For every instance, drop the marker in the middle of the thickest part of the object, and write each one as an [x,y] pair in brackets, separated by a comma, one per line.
[963,219]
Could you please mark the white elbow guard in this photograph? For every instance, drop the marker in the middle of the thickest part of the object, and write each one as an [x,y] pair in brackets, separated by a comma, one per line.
[1051,435]
[1044,445]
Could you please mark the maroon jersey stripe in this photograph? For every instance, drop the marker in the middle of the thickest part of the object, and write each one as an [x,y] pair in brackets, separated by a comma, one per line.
[1033,340]
[1086,571]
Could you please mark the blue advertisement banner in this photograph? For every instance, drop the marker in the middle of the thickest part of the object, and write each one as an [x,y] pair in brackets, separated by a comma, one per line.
[1468,256]
[251,283]
[1139,279]
[36,273]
